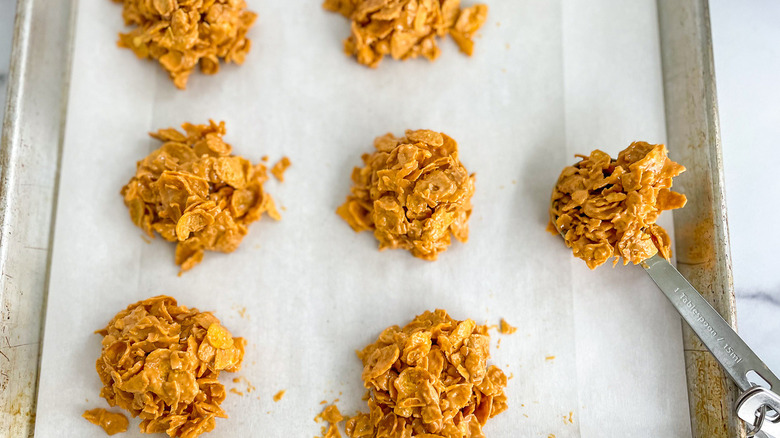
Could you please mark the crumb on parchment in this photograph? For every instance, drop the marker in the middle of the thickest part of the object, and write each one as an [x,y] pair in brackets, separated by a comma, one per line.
[111,422]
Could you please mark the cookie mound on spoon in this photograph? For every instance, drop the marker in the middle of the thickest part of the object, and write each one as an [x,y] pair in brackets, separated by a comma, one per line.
[607,207]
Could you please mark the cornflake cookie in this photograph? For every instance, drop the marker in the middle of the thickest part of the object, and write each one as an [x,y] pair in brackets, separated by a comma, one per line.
[429,379]
[182,34]
[161,362]
[406,29]
[608,208]
[194,192]
[413,193]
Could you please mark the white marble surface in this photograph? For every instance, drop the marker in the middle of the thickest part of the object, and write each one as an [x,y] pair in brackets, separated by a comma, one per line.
[747,60]
[747,66]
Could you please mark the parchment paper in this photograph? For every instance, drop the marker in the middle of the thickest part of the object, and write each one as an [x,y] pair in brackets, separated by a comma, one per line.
[548,79]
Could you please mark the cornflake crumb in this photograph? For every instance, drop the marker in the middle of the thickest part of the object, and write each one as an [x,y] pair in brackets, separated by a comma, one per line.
[548,358]
[505,328]
[111,422]
[430,377]
[333,417]
[413,193]
[608,208]
[249,387]
[194,192]
[235,391]
[182,34]
[278,396]
[406,29]
[279,168]
[171,379]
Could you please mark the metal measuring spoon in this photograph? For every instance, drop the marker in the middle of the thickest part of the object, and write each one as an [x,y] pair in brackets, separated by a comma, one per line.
[758,406]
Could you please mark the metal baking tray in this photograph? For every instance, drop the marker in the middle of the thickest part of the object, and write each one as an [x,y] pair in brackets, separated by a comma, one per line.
[31,152]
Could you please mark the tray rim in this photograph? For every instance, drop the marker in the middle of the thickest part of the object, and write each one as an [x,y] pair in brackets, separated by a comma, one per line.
[25,267]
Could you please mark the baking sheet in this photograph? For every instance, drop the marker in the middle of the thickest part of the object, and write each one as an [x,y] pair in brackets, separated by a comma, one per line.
[548,80]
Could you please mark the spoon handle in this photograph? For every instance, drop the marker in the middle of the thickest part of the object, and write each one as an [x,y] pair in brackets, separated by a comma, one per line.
[715,333]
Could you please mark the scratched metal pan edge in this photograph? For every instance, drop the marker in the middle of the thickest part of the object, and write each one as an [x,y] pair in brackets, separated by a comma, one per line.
[29,168]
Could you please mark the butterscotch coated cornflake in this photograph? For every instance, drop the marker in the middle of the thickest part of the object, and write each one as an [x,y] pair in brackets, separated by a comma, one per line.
[161,362]
[111,422]
[194,192]
[413,193]
[406,29]
[608,208]
[429,379]
[182,34]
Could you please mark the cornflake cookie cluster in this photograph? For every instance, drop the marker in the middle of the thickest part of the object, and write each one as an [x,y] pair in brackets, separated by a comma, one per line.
[182,34]
[162,362]
[406,29]
[413,193]
[608,208]
[429,379]
[194,192]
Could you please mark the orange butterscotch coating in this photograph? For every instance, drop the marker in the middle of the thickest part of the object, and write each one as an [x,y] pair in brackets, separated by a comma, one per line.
[429,379]
[161,362]
[111,422]
[194,192]
[608,208]
[413,193]
[182,34]
[406,29]
[333,417]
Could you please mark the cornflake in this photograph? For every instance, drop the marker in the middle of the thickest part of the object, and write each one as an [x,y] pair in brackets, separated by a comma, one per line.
[194,192]
[406,29]
[182,34]
[429,379]
[333,417]
[280,167]
[111,422]
[413,193]
[506,328]
[608,208]
[159,362]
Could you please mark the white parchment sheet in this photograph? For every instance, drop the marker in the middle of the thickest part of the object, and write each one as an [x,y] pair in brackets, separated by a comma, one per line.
[548,79]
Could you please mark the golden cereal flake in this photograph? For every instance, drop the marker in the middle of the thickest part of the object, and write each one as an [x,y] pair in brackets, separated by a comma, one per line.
[111,422]
[279,168]
[505,328]
[158,363]
[182,34]
[406,29]
[194,192]
[278,396]
[333,417]
[608,208]
[429,379]
[413,193]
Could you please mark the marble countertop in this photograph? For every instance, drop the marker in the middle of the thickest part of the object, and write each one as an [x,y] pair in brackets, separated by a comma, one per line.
[747,59]
[746,45]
